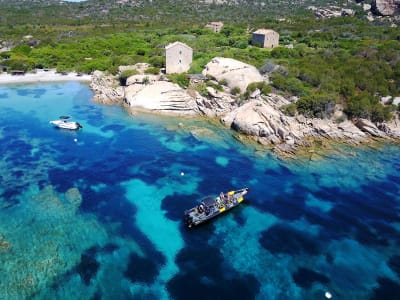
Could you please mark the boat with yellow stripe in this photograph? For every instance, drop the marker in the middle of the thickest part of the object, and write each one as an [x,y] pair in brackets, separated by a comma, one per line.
[211,207]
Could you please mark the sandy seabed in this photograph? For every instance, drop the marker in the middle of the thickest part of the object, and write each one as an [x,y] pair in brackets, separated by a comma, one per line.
[43,76]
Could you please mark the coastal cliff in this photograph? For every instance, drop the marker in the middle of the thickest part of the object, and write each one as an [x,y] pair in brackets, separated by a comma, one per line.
[260,117]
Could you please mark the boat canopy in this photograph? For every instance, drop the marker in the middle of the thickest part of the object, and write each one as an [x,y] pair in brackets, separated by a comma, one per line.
[64,117]
[208,201]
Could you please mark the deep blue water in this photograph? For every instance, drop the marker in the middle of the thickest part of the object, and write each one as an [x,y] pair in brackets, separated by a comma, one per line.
[307,227]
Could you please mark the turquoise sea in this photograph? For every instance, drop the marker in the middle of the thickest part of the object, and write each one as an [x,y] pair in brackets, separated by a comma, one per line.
[97,214]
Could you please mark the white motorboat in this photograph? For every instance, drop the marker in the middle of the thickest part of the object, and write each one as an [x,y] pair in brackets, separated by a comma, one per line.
[64,124]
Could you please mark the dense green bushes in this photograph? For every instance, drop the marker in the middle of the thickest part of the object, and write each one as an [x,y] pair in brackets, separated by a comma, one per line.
[125,75]
[338,61]
[322,78]
[366,106]
[181,79]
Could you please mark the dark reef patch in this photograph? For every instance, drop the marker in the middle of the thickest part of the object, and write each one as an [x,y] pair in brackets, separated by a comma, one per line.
[387,290]
[141,269]
[113,127]
[305,278]
[203,276]
[35,93]
[394,264]
[285,239]
[88,266]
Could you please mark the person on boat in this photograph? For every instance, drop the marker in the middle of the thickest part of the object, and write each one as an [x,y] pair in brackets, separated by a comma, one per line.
[207,210]
[201,208]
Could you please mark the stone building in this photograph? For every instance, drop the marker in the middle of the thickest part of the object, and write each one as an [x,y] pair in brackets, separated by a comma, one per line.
[215,26]
[178,57]
[265,38]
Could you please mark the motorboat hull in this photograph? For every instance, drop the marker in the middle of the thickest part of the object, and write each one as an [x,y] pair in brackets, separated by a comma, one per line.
[70,125]
[212,207]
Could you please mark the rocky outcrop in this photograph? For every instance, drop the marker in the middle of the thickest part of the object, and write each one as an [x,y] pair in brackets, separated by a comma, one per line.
[142,79]
[369,127]
[386,7]
[161,96]
[106,88]
[262,120]
[234,72]
[216,104]
[330,12]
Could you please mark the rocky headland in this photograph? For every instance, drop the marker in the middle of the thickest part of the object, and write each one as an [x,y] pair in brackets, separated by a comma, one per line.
[260,117]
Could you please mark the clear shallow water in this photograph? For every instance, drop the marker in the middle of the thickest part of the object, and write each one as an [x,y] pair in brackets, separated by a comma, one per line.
[100,218]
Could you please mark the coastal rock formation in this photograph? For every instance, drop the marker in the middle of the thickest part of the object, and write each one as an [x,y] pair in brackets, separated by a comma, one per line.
[330,12]
[106,88]
[161,96]
[142,79]
[234,72]
[260,118]
[386,7]
[217,104]
[269,126]
[369,127]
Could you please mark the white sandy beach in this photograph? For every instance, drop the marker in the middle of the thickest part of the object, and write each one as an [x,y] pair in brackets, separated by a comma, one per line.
[43,76]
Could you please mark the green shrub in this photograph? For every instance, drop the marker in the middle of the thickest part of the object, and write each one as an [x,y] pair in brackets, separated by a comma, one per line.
[223,82]
[236,90]
[261,85]
[157,61]
[5,54]
[366,106]
[153,70]
[216,87]
[125,75]
[201,88]
[289,109]
[266,89]
[317,105]
[181,79]
[146,80]
[141,52]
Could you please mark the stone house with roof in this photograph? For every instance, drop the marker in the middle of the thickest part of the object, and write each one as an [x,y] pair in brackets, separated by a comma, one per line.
[178,57]
[215,26]
[265,38]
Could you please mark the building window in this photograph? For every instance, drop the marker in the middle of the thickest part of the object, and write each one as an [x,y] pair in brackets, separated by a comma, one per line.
[180,61]
[180,52]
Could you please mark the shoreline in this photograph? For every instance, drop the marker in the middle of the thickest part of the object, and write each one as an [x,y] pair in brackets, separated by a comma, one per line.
[43,76]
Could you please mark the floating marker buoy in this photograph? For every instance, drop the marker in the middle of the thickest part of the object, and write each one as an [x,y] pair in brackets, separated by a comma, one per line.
[328,295]
[75,140]
[182,174]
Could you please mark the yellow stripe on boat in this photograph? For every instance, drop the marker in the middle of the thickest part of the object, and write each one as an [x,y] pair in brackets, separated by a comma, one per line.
[222,209]
[231,193]
[240,199]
